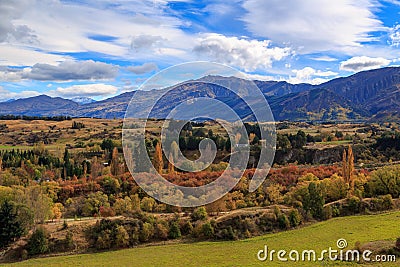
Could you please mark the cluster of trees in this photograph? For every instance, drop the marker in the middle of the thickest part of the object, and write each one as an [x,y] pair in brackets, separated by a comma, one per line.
[115,192]
[72,168]
[289,141]
[142,227]
[190,140]
[11,224]
[78,125]
[388,140]
[15,157]
[251,224]
[306,196]
[300,139]
[23,207]
[36,186]
[31,118]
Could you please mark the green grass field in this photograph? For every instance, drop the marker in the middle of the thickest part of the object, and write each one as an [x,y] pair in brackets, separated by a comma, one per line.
[318,237]
[336,143]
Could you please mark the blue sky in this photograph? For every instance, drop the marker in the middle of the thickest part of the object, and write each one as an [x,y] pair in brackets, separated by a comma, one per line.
[101,48]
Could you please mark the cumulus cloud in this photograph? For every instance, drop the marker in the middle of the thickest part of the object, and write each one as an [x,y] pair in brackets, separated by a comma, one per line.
[246,54]
[85,90]
[313,25]
[362,63]
[71,70]
[142,69]
[8,74]
[311,76]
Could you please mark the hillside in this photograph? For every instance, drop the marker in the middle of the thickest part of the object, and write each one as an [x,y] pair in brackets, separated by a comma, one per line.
[39,106]
[318,237]
[317,104]
[366,96]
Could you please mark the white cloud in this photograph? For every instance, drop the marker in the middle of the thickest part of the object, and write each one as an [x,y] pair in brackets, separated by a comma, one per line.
[9,31]
[64,71]
[85,90]
[362,63]
[324,58]
[394,36]
[311,76]
[13,55]
[142,69]
[259,77]
[146,42]
[71,70]
[394,2]
[245,54]
[313,25]
[6,94]
[69,26]
[9,74]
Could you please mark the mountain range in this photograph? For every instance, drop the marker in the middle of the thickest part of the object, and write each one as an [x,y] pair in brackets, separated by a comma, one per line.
[365,96]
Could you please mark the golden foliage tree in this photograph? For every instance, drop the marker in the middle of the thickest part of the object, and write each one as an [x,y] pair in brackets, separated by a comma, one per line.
[115,162]
[350,159]
[96,168]
[171,167]
[348,166]
[57,210]
[158,158]
[344,165]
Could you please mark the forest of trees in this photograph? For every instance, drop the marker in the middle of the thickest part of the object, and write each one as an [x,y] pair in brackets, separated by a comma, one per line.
[36,186]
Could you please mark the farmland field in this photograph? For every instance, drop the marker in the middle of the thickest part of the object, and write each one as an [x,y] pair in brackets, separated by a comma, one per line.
[318,237]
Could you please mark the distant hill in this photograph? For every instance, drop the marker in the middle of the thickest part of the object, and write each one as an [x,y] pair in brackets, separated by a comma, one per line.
[42,105]
[366,96]
[109,108]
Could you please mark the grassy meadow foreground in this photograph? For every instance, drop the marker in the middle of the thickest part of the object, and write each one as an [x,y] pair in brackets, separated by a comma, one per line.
[365,229]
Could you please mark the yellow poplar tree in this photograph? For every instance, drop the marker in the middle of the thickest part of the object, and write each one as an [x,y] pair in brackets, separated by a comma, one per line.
[115,162]
[171,168]
[348,166]
[158,160]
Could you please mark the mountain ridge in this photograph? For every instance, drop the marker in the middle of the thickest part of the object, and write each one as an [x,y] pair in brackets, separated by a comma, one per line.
[364,96]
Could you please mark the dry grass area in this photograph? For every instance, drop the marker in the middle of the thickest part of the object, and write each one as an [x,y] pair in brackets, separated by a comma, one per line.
[21,134]
[314,130]
[56,136]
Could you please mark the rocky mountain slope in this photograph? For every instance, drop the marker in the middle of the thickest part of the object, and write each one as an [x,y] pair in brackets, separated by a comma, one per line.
[369,95]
